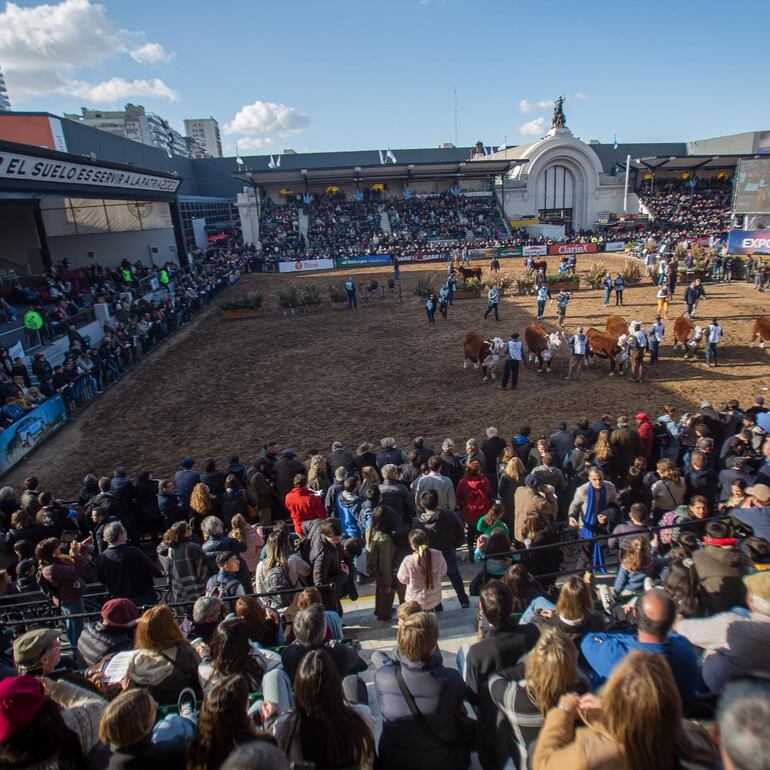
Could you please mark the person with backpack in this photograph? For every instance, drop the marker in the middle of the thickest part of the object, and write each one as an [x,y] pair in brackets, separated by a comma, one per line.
[348,507]
[184,562]
[225,584]
[280,570]
[445,534]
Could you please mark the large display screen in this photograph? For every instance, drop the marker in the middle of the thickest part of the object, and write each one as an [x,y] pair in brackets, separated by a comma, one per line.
[752,187]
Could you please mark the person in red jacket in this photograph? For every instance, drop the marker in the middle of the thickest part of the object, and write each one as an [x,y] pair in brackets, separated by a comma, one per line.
[303,504]
[474,497]
[646,434]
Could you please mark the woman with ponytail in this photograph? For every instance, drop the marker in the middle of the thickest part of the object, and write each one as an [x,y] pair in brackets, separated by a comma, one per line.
[421,572]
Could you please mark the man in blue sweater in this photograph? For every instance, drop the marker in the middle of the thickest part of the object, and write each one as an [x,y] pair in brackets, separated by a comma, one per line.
[655,615]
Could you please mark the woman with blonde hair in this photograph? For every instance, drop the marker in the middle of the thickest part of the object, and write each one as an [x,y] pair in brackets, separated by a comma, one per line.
[201,504]
[369,479]
[669,491]
[252,536]
[603,452]
[525,693]
[635,723]
[510,480]
[126,728]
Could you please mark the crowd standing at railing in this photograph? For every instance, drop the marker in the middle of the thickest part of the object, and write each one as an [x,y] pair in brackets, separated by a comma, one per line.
[239,604]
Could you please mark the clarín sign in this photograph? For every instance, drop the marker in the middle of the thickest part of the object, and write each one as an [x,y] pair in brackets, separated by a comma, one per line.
[29,168]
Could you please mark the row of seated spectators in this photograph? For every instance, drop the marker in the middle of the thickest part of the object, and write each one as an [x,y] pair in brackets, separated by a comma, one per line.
[689,613]
[698,211]
[337,224]
[279,229]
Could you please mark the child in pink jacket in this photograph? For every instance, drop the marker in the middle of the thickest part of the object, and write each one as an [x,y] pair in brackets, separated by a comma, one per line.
[421,572]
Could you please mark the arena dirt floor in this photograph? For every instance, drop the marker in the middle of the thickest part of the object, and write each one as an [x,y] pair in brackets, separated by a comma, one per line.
[225,387]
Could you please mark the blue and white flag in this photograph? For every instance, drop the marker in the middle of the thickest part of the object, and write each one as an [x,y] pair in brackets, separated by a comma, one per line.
[382,158]
[271,162]
[390,156]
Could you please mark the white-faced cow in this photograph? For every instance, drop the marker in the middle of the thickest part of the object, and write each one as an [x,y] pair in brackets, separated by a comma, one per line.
[541,346]
[761,330]
[687,335]
[483,353]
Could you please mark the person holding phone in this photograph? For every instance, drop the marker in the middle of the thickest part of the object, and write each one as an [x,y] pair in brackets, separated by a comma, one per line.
[62,578]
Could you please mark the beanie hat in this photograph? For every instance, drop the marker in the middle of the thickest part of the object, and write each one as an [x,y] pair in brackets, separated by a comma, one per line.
[119,612]
[530,480]
[21,697]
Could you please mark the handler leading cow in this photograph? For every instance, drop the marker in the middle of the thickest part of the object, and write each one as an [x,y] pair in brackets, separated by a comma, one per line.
[482,353]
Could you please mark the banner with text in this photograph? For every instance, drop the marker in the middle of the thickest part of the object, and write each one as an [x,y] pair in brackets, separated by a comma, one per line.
[481,253]
[614,245]
[302,266]
[33,168]
[509,251]
[34,428]
[748,242]
[534,251]
[573,248]
[362,260]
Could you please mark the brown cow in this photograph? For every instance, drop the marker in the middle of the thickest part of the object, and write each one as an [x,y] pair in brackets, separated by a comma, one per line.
[537,264]
[761,330]
[470,272]
[688,335]
[603,345]
[541,345]
[616,326]
[482,353]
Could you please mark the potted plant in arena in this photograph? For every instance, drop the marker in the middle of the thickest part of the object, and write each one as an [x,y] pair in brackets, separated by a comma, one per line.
[243,307]
[561,281]
[338,295]
[469,288]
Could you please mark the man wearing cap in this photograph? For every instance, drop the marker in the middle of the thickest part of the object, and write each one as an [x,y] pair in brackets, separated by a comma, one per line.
[734,644]
[340,457]
[533,497]
[514,355]
[114,632]
[37,652]
[757,516]
[185,479]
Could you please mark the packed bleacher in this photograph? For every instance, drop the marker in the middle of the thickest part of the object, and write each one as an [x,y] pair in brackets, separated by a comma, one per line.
[337,224]
[686,209]
[622,570]
[146,304]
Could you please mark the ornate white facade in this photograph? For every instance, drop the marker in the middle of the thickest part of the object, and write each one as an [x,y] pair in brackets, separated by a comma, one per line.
[561,173]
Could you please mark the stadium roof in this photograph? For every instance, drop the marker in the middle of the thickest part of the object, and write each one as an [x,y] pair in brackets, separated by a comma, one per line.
[449,169]
[687,162]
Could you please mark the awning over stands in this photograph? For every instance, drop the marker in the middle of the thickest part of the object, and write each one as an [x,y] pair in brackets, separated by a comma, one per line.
[688,162]
[409,172]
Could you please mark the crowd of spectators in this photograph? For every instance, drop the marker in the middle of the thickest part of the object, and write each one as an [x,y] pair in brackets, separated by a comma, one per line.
[337,224]
[183,666]
[693,211]
[146,304]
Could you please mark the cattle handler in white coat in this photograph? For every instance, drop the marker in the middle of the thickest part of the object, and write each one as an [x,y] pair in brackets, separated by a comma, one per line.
[514,355]
[578,349]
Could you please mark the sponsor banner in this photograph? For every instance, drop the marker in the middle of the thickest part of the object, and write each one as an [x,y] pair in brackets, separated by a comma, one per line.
[509,251]
[534,251]
[429,257]
[524,222]
[615,246]
[745,242]
[32,168]
[362,260]
[302,266]
[573,248]
[33,429]
[481,253]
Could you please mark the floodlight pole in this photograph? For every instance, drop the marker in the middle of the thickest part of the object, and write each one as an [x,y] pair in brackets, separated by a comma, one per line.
[625,189]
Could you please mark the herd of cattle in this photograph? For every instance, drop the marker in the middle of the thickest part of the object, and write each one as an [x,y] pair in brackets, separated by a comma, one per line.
[612,344]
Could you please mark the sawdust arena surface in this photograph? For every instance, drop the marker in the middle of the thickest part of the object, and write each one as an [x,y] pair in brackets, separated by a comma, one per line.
[225,387]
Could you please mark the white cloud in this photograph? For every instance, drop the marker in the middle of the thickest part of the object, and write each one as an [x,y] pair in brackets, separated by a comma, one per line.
[151,53]
[261,117]
[252,143]
[44,46]
[541,104]
[118,90]
[535,127]
[581,97]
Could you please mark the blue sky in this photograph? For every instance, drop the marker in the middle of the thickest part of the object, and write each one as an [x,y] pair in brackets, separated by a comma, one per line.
[341,74]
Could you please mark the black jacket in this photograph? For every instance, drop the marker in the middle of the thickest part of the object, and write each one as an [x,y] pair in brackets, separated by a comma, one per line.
[444,529]
[341,458]
[703,482]
[492,448]
[345,657]
[170,508]
[451,467]
[326,565]
[127,572]
[390,456]
[145,755]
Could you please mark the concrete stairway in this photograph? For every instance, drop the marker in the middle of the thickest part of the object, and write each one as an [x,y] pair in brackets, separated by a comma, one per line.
[385,223]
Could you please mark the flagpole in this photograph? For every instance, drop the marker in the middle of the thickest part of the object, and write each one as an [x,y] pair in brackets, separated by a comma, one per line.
[625,189]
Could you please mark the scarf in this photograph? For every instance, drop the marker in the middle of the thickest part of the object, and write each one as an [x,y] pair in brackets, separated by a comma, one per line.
[722,542]
[589,523]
